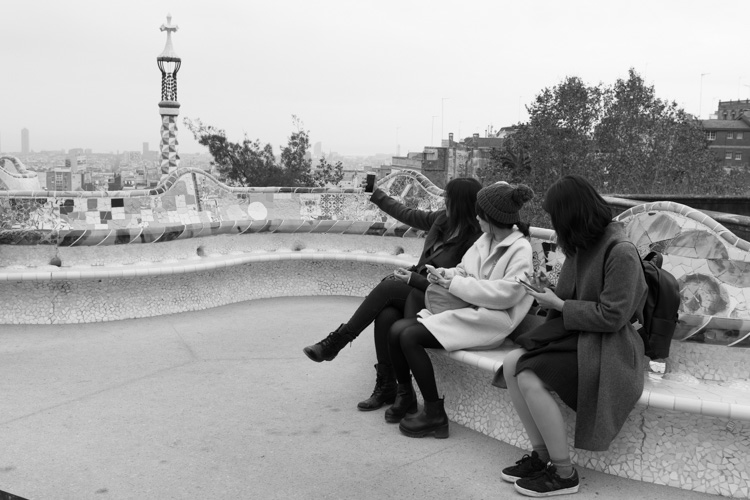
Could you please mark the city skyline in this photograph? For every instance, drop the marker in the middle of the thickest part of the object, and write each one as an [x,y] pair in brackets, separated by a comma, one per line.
[364,78]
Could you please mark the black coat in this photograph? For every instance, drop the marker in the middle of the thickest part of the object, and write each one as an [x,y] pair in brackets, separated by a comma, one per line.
[448,254]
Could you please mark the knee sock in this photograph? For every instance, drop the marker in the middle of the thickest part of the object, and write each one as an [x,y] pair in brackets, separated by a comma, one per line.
[541,450]
[564,467]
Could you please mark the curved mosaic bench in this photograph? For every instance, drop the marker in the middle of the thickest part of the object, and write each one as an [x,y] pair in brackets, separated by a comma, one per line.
[691,427]
[192,203]
[21,178]
[74,257]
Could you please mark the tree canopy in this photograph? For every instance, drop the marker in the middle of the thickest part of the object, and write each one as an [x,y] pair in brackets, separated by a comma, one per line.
[251,163]
[621,137]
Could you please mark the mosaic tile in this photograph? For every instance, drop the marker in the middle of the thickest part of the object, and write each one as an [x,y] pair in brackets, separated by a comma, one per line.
[709,263]
[684,450]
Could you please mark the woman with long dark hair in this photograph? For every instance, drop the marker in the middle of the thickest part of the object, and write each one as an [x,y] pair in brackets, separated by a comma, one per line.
[596,365]
[495,305]
[450,232]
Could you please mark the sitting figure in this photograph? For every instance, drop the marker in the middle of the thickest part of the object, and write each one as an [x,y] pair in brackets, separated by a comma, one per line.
[494,304]
[450,233]
[587,351]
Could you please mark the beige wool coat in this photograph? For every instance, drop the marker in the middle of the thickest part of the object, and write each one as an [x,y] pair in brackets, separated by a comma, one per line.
[486,278]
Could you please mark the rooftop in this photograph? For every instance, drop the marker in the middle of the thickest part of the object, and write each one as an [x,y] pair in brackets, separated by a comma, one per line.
[741,123]
[222,403]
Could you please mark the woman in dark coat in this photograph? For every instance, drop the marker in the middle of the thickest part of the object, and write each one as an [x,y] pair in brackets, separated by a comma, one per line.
[597,369]
[450,232]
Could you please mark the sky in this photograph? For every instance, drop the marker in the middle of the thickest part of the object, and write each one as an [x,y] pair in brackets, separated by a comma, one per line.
[364,77]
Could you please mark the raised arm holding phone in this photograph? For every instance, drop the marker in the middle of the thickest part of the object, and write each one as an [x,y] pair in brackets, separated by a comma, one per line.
[450,232]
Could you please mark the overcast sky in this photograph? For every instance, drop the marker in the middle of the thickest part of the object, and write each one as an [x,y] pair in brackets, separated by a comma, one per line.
[362,75]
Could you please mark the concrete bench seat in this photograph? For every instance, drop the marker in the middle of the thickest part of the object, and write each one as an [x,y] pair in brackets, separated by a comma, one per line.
[194,265]
[193,243]
[683,434]
[713,399]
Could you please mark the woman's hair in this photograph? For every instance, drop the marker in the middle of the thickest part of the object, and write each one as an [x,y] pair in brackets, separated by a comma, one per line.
[460,198]
[522,226]
[579,214]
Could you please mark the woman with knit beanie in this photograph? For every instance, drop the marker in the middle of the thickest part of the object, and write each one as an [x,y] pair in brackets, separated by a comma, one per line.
[486,279]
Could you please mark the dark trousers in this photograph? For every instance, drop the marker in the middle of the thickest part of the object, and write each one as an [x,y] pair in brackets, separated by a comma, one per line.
[390,301]
[407,341]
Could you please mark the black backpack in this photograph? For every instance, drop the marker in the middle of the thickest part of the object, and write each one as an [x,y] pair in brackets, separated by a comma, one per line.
[660,310]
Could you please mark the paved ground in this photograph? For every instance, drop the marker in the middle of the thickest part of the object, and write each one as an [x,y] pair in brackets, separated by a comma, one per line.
[222,404]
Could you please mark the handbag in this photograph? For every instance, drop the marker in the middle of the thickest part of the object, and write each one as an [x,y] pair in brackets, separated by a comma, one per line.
[438,299]
[543,335]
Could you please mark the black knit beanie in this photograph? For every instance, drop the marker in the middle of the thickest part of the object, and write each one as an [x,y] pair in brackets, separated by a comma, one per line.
[502,202]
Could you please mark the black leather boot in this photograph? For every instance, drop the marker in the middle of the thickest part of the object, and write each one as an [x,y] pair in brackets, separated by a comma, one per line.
[406,402]
[385,389]
[329,347]
[432,419]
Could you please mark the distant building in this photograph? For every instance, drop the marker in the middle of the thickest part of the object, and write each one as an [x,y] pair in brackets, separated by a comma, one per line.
[145,149]
[115,183]
[25,141]
[76,160]
[729,134]
[731,110]
[63,179]
[452,159]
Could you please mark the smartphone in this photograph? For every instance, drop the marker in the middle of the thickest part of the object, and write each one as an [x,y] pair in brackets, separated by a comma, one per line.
[370,183]
[530,286]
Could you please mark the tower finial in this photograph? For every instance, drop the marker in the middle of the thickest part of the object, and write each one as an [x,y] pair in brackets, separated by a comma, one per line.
[168,51]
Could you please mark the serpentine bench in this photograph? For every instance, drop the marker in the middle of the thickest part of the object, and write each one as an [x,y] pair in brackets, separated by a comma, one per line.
[691,427]
[193,243]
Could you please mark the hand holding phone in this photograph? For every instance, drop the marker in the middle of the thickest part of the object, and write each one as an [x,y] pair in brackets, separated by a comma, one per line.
[433,271]
[402,274]
[370,182]
[529,286]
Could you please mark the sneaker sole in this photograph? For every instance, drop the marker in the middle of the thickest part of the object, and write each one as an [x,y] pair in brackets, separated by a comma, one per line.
[510,479]
[532,493]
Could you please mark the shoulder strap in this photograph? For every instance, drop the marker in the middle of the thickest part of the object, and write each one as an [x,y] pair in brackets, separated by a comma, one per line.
[606,256]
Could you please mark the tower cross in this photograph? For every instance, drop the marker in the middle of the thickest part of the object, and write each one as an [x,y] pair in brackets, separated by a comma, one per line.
[168,27]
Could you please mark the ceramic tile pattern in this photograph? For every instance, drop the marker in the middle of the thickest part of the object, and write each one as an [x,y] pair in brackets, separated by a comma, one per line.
[684,449]
[83,257]
[108,294]
[170,159]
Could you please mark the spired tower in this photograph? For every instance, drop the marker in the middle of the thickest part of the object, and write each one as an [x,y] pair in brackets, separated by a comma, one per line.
[169,64]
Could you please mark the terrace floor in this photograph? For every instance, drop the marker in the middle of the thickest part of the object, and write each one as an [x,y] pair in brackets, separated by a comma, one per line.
[223,404]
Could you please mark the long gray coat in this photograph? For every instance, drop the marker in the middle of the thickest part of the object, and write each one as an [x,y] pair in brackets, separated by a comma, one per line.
[610,352]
